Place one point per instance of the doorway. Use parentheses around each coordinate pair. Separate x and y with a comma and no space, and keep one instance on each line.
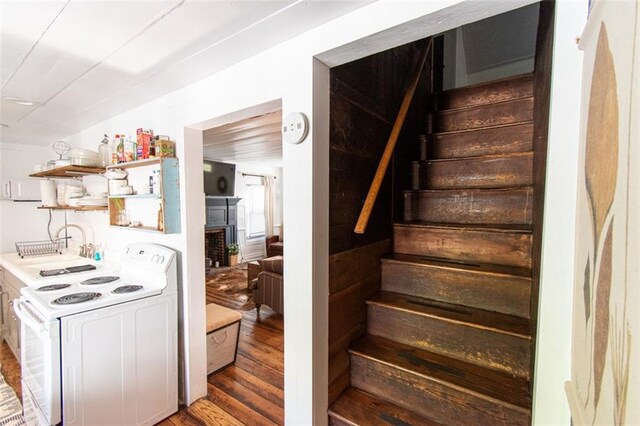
(242,200)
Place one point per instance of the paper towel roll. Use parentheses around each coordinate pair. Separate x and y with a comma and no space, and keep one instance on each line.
(48,193)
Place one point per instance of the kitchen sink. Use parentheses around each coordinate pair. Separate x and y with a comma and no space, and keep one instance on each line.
(47,259)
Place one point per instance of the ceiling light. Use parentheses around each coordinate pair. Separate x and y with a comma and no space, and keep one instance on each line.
(20,101)
(3,125)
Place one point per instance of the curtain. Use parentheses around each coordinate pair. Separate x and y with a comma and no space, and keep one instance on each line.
(267,182)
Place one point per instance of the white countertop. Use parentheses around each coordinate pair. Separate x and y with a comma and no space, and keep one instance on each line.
(28,269)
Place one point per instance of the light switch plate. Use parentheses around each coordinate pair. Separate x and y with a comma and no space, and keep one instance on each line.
(295,127)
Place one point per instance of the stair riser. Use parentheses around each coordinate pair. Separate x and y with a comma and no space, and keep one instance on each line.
(442,403)
(470,207)
(476,173)
(471,246)
(486,93)
(492,292)
(485,347)
(355,407)
(515,111)
(499,140)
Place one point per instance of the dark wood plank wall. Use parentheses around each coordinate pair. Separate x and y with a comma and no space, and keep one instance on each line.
(365,97)
(354,275)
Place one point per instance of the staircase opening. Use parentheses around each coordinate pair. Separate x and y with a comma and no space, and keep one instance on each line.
(432,308)
(498,47)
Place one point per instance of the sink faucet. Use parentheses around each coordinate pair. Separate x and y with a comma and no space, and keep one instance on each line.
(84,249)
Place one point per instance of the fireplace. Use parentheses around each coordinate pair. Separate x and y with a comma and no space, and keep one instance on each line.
(215,246)
(221,227)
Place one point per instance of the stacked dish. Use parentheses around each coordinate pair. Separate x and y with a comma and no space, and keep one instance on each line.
(99,200)
(115,174)
(68,192)
(84,157)
(118,185)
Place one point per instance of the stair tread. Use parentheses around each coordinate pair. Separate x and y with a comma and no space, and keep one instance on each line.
(473,317)
(500,112)
(467,190)
(357,407)
(453,264)
(487,92)
(466,376)
(498,82)
(510,228)
(496,126)
(475,106)
(479,157)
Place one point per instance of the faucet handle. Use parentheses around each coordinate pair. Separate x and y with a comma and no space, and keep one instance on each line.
(87,250)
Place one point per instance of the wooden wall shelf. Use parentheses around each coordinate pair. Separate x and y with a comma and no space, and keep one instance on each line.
(69,172)
(152,196)
(158,212)
(139,163)
(77,208)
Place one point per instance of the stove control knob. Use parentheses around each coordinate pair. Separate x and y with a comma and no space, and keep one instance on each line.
(154,258)
(160,259)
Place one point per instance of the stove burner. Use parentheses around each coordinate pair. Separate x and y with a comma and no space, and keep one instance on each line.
(53,287)
(99,280)
(126,289)
(73,298)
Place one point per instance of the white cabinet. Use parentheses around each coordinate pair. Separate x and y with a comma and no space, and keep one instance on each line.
(21,190)
(10,323)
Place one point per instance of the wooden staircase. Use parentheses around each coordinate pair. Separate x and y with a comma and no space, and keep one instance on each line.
(448,336)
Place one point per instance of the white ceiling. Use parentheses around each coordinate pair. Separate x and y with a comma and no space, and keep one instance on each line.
(84,61)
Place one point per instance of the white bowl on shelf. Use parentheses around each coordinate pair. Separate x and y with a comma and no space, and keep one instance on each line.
(116,174)
(122,190)
(114,184)
(92,201)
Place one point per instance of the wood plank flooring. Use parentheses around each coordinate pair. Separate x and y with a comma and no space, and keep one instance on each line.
(251,392)
(10,369)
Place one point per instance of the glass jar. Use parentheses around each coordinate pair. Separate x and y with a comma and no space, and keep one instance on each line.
(105,151)
(122,218)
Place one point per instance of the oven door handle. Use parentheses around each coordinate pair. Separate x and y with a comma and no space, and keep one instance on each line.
(27,317)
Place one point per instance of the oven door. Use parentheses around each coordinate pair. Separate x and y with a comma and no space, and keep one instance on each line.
(40,362)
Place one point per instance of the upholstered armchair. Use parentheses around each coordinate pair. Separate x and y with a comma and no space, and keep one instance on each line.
(268,288)
(275,246)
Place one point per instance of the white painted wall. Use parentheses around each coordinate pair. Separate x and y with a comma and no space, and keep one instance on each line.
(287,72)
(462,77)
(21,221)
(553,354)
(520,31)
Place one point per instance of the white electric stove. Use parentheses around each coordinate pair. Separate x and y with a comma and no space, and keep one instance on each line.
(100,347)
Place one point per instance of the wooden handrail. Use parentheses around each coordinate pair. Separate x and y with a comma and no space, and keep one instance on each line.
(365,213)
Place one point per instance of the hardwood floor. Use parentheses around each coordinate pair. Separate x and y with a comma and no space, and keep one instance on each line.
(10,369)
(251,392)
(247,393)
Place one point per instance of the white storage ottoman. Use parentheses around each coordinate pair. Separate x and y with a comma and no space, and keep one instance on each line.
(223,329)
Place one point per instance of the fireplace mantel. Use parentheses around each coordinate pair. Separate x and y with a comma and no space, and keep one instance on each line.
(221,211)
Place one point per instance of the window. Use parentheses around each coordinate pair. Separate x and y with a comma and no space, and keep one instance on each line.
(254,210)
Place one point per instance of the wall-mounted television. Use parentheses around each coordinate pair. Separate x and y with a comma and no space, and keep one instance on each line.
(219,179)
